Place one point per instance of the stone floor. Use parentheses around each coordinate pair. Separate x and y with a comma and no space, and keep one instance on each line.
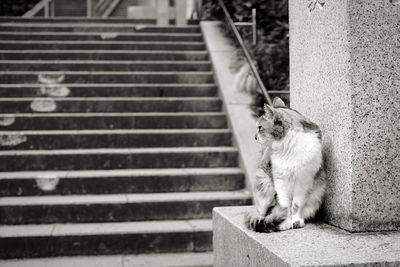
(148,260)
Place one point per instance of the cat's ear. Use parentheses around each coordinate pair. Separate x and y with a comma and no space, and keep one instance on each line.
(278,103)
(269,111)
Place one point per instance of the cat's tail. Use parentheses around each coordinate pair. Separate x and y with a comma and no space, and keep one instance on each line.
(268,223)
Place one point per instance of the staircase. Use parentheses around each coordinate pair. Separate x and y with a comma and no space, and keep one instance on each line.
(113,140)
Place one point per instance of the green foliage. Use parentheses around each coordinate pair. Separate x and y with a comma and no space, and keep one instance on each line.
(271,53)
(16,7)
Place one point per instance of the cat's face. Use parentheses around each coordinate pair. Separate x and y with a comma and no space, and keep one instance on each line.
(278,120)
(272,126)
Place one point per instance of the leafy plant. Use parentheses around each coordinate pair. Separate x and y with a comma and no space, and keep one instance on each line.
(271,52)
(16,7)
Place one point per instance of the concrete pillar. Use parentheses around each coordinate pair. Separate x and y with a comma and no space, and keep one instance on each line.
(345,76)
(180,12)
(162,12)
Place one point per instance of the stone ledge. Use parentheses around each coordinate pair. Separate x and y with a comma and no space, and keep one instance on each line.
(236,103)
(318,244)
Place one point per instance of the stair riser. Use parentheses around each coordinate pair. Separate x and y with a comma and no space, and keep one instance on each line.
(93,66)
(86,20)
(94,55)
(119,140)
(134,91)
(118,185)
(114,78)
(111,161)
(103,45)
(115,122)
(99,29)
(117,212)
(101,37)
(24,106)
(34,247)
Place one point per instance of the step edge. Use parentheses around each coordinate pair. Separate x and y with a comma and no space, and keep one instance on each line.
(123,199)
(118,131)
(107,62)
(157,73)
(53,24)
(71,174)
(85,33)
(112,98)
(114,228)
(105,151)
(99,51)
(98,42)
(106,85)
(113,114)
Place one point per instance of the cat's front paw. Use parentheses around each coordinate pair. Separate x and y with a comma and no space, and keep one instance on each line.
(255,222)
(298,224)
(289,224)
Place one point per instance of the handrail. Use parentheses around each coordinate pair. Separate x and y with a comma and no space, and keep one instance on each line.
(38,7)
(110,8)
(246,52)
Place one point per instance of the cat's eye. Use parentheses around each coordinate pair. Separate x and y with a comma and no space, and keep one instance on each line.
(259,128)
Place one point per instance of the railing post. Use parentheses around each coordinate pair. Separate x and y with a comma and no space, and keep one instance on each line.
(162,12)
(254,18)
(89,8)
(52,8)
(46,10)
(199,8)
(180,12)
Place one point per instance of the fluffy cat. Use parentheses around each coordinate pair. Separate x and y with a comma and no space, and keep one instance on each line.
(290,180)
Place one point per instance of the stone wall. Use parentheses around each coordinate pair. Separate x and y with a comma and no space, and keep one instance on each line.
(345,76)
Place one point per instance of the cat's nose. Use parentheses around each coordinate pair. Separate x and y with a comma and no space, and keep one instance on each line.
(255,137)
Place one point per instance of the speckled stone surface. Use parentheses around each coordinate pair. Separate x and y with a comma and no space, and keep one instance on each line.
(317,244)
(345,75)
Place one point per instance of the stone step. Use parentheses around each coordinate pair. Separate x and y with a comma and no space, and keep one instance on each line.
(73,182)
(118,158)
(202,259)
(22,241)
(94,27)
(122,90)
(116,207)
(183,259)
(77,121)
(108,77)
(99,45)
(101,36)
(85,20)
(66,139)
(103,65)
(109,104)
(144,55)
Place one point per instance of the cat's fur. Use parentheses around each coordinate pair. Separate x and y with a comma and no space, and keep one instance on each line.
(290,180)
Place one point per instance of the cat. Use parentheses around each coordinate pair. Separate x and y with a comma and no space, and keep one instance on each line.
(290,181)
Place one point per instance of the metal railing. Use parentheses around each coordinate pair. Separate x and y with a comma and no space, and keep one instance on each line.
(246,51)
(46,5)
